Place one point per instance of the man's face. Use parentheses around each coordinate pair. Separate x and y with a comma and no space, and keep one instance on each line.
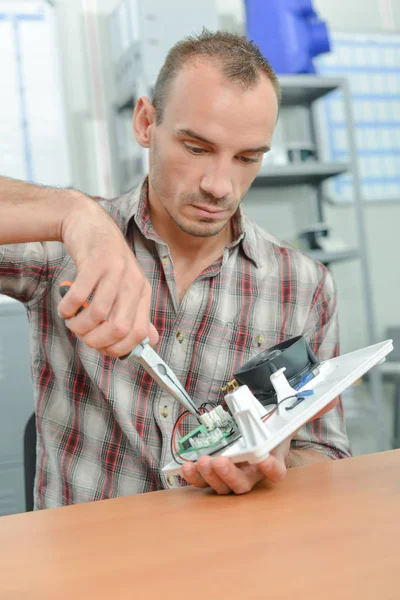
(208,148)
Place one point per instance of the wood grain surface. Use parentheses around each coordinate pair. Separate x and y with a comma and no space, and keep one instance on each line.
(329,531)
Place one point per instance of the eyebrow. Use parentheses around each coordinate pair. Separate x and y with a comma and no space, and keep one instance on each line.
(196,136)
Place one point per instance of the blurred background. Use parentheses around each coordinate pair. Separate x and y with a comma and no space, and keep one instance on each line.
(70,74)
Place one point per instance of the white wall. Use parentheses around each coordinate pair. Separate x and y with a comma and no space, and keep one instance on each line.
(359,15)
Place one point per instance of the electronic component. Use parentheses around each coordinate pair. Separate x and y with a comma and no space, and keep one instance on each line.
(189,441)
(250,431)
(295,355)
(216,427)
(216,418)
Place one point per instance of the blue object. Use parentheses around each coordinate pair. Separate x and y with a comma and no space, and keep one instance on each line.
(305,393)
(307,377)
(288,32)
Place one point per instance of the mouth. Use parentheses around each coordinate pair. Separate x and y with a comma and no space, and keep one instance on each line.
(210,213)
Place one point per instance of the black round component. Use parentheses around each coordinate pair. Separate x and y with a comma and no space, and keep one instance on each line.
(295,354)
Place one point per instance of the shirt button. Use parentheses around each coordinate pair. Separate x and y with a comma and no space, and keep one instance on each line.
(164,412)
(259,339)
(171,480)
(165,260)
(180,336)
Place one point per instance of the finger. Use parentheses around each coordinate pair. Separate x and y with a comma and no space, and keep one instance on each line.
(239,480)
(206,470)
(119,323)
(153,335)
(139,330)
(99,308)
(327,408)
(192,476)
(78,293)
(273,469)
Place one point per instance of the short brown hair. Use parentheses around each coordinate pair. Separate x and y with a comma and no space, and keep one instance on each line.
(239,59)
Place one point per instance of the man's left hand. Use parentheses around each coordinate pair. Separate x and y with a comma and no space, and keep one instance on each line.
(224,477)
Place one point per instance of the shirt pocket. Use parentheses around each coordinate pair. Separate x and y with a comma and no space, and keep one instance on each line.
(239,344)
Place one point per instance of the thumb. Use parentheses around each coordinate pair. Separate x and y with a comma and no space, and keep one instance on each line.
(153,335)
(273,468)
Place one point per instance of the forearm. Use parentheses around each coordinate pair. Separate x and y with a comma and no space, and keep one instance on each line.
(31,213)
(300,458)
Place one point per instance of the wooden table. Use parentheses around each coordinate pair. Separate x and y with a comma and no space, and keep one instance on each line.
(329,531)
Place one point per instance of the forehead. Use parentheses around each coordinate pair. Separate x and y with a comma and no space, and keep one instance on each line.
(203,99)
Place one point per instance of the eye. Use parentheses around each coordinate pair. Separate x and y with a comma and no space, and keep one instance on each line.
(196,150)
(246,160)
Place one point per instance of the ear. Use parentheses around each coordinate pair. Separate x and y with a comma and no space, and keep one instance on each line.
(144,118)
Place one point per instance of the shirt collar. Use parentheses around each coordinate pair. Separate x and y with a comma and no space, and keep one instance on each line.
(243,232)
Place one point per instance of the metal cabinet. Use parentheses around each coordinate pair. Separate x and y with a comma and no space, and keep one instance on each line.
(16,403)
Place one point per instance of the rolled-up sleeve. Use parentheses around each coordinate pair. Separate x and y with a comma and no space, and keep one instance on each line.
(326,434)
(26,269)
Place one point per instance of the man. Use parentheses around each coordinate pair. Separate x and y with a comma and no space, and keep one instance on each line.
(178,260)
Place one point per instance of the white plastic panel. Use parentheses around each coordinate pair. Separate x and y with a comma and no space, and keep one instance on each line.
(335,376)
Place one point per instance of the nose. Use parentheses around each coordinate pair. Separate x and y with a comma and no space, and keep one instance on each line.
(217,180)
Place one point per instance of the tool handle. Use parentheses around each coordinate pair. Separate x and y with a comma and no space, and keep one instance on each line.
(64,287)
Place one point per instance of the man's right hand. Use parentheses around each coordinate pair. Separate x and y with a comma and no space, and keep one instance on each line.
(118,316)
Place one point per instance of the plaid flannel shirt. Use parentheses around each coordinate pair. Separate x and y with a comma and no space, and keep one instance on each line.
(104,425)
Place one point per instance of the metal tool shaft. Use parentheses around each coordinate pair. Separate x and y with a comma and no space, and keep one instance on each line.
(163,374)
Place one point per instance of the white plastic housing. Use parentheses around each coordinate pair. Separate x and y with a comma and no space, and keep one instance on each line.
(259,438)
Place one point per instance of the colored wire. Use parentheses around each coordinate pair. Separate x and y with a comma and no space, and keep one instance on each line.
(174,451)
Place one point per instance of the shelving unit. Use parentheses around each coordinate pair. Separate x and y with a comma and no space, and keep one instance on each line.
(304,91)
(297,174)
(333,257)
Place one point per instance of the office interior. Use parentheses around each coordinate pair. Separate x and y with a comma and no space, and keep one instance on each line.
(330,185)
